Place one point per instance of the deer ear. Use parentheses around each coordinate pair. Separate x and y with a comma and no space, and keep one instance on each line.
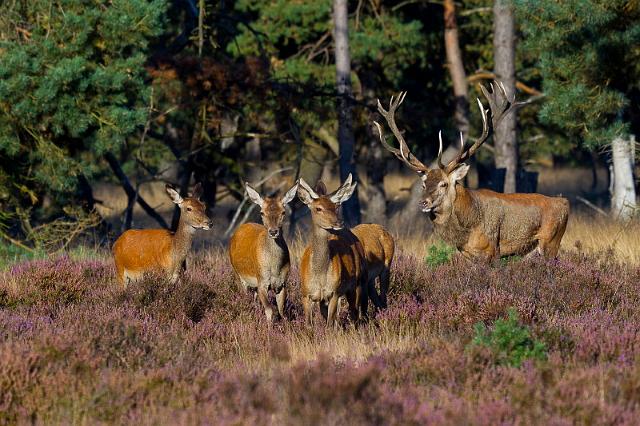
(460,172)
(345,192)
(173,194)
(197,191)
(253,194)
(321,188)
(290,194)
(305,193)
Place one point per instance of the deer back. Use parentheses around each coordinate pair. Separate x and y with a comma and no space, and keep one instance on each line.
(378,246)
(144,250)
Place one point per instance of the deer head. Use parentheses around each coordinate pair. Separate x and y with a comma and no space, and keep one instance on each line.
(325,209)
(272,209)
(439,183)
(192,210)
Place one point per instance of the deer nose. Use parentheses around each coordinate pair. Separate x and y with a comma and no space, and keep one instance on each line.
(273,232)
(425,205)
(210,223)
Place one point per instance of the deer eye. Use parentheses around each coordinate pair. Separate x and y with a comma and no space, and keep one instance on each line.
(318,209)
(189,209)
(443,184)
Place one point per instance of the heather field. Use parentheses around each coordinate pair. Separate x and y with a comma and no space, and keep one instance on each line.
(519,342)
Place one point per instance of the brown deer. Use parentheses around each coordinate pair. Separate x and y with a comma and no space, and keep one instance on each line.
(333,263)
(378,246)
(259,254)
(138,251)
(482,223)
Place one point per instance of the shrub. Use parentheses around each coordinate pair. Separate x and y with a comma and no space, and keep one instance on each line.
(439,254)
(58,281)
(189,298)
(509,342)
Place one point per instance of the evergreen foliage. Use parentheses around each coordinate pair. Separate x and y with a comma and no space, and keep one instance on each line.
(509,342)
(588,59)
(439,254)
(72,87)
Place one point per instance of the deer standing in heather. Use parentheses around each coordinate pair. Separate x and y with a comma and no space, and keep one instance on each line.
(138,251)
(480,223)
(259,254)
(378,246)
(333,263)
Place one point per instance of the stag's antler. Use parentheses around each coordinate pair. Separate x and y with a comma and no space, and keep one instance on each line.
(403,153)
(499,107)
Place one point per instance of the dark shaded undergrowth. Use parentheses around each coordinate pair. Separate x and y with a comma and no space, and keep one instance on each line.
(76,348)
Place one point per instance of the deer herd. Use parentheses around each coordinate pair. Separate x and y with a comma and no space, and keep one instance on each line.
(340,262)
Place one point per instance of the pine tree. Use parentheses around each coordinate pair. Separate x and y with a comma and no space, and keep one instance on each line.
(590,64)
(72,87)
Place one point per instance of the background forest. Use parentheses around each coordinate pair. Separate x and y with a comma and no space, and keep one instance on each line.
(100,101)
(103,102)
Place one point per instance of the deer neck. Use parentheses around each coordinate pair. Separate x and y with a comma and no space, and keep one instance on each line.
(182,240)
(465,209)
(320,254)
(464,215)
(276,247)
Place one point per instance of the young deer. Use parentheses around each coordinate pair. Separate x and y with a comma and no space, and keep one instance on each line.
(379,247)
(332,265)
(138,251)
(259,254)
(481,223)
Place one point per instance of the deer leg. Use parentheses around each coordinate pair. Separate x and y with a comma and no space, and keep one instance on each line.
(353,306)
(262,295)
(306,306)
(324,309)
(281,299)
(362,301)
(373,293)
(385,279)
(537,251)
(332,308)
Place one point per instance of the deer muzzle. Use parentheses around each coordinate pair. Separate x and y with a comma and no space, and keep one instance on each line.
(426,205)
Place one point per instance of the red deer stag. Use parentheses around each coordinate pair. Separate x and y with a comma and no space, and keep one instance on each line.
(138,251)
(481,223)
(259,253)
(332,265)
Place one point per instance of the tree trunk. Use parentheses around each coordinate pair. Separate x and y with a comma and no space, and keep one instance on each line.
(351,208)
(456,68)
(504,52)
(458,75)
(623,197)
(130,191)
(376,211)
(314,156)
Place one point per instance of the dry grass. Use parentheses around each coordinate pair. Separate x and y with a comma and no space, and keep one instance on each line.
(592,233)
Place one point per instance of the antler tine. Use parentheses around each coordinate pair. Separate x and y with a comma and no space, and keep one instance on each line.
(440,150)
(404,154)
(458,159)
(499,106)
